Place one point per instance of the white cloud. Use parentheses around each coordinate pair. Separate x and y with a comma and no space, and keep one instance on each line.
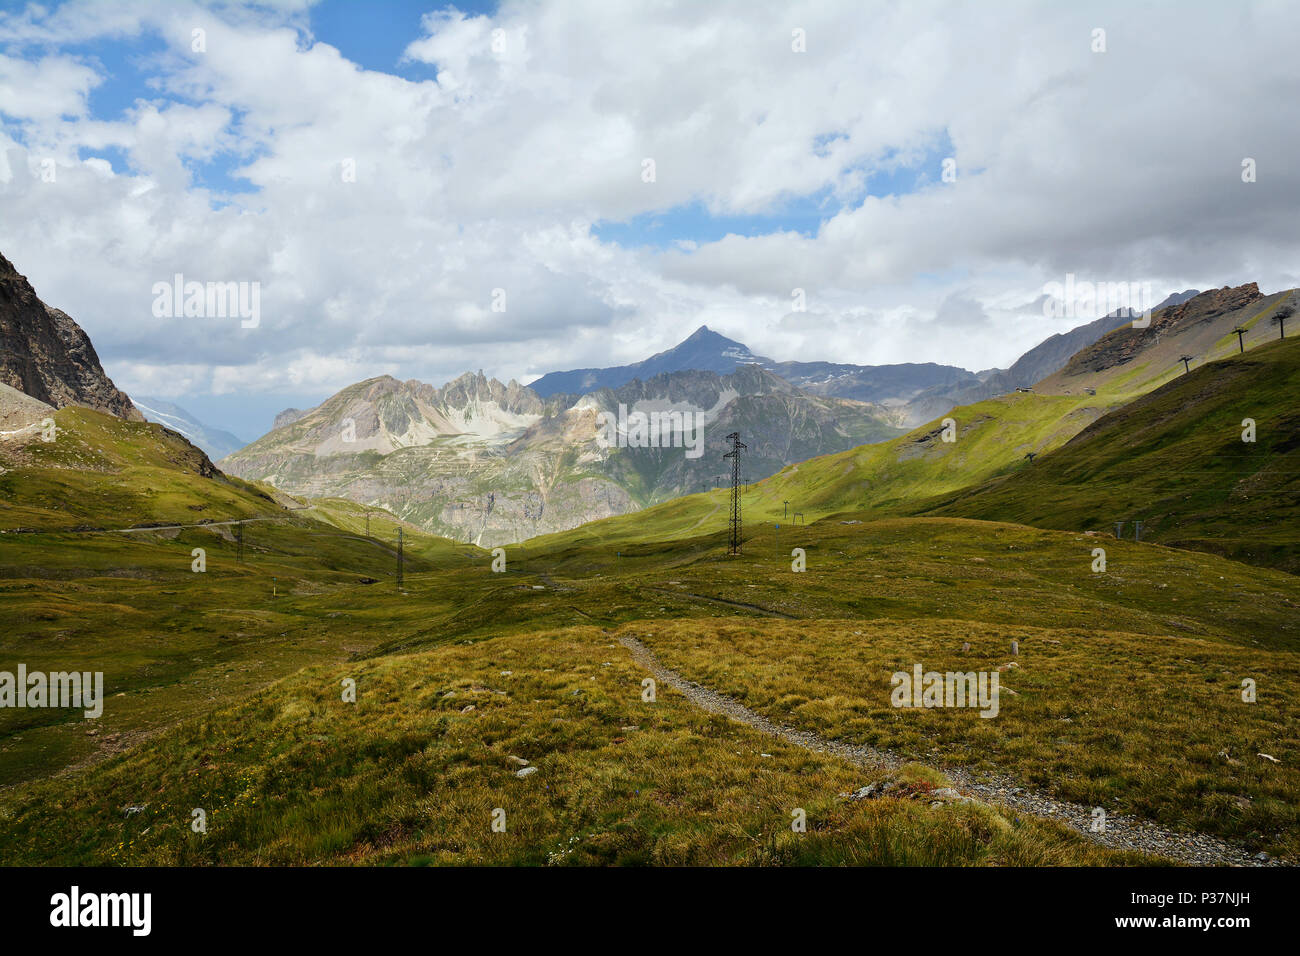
(1120,166)
(44,90)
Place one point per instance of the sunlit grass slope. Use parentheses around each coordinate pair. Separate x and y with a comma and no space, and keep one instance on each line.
(413,772)
(1148,672)
(1176,459)
(992,437)
(101,471)
(225,686)
(1151,443)
(1104,718)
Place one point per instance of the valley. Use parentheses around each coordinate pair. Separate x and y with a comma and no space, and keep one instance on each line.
(335,666)
(513,456)
(463,668)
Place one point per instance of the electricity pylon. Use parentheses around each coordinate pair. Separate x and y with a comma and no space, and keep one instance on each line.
(736,447)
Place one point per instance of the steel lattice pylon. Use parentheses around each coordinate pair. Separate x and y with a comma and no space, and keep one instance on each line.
(400,559)
(734,455)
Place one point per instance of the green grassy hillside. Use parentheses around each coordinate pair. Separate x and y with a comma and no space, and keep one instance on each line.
(289,773)
(78,592)
(991,439)
(101,471)
(416,769)
(1176,459)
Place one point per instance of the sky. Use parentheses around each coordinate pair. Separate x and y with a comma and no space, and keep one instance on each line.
(423,190)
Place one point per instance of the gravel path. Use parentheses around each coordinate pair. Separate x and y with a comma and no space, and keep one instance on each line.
(1122,832)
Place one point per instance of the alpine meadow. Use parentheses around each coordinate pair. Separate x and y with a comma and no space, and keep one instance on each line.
(664,439)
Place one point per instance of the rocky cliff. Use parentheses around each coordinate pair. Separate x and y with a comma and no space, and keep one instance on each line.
(46,355)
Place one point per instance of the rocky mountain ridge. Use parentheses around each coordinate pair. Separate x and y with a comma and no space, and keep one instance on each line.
(47,356)
(493,463)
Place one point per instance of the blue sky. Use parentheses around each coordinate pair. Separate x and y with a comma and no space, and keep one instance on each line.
(372,36)
(892,176)
(375,36)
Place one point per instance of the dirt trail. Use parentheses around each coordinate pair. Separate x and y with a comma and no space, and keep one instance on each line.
(723,601)
(1122,832)
(704,519)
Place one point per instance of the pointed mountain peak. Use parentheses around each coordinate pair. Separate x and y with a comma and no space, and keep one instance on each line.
(704,350)
(703,332)
(705,335)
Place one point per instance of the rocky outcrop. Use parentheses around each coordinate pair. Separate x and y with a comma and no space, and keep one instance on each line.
(19,411)
(1044,359)
(475,388)
(44,354)
(287,417)
(1126,343)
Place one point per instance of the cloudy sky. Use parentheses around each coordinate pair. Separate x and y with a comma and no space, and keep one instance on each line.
(379,169)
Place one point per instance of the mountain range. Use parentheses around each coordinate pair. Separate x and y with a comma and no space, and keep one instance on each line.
(493,463)
(917,391)
(1123,432)
(705,350)
(214,441)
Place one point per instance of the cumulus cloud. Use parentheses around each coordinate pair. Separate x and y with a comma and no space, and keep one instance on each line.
(380,213)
